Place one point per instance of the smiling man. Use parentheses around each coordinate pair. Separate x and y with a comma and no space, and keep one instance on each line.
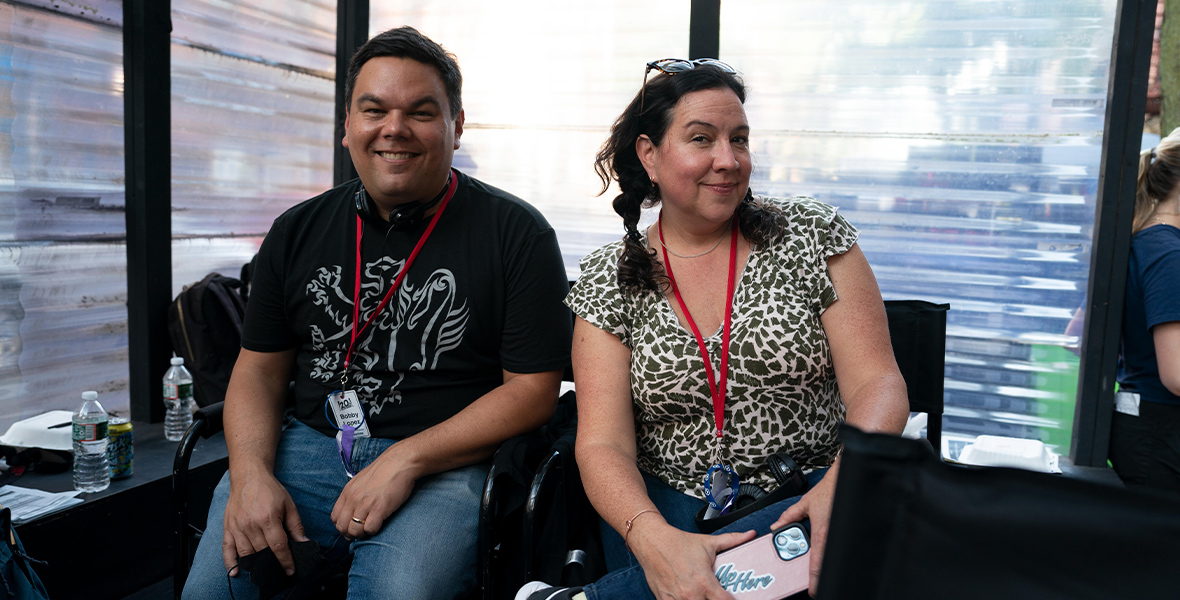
(418,313)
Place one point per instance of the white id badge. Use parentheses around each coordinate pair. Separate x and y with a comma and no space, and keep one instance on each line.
(347,410)
(1127,403)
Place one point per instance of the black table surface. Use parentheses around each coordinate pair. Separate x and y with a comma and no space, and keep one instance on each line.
(153,459)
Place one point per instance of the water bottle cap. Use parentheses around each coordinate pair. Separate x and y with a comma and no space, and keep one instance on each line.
(89,395)
(177,361)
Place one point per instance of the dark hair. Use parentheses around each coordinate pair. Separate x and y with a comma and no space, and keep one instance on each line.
(1159,173)
(638,269)
(407,42)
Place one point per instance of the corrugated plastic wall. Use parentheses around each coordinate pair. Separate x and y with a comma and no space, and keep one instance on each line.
(63,282)
(964,139)
(253,93)
(252,102)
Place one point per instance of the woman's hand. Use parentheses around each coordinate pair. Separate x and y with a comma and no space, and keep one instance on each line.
(678,564)
(816,505)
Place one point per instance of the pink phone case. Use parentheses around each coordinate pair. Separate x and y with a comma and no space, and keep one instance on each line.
(756,570)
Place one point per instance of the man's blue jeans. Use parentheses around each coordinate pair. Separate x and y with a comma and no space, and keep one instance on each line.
(427,548)
(626,578)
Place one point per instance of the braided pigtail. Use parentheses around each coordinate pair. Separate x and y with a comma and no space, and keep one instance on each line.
(638,268)
(760,222)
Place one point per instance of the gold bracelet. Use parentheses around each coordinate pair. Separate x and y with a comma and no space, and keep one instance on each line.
(631,521)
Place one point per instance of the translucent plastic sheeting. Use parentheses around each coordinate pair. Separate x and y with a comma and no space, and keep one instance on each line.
(253,99)
(64,327)
(297,34)
(103,12)
(221,255)
(63,275)
(61,137)
(542,83)
(963,138)
(248,140)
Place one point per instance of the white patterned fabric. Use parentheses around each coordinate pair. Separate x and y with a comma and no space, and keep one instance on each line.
(781,390)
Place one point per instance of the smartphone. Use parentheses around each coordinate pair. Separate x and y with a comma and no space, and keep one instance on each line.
(770,567)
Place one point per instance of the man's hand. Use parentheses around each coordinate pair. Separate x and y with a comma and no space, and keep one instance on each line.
(679,565)
(374,494)
(816,505)
(260,514)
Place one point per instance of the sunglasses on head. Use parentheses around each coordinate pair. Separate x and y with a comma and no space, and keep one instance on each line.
(672,66)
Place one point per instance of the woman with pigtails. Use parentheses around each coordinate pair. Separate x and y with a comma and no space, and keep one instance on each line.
(732,329)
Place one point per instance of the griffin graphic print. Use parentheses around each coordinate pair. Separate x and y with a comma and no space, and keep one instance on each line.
(424,320)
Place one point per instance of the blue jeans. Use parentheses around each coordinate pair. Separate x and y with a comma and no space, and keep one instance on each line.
(426,549)
(626,578)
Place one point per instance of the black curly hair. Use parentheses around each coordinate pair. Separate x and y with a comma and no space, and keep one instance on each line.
(618,160)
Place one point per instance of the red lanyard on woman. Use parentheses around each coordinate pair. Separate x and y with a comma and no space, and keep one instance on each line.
(452,184)
(716,387)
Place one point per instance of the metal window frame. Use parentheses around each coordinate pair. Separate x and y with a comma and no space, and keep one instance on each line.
(704,29)
(352,30)
(147,113)
(1126,100)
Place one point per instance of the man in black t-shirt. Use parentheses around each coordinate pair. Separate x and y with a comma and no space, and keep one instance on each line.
(419,313)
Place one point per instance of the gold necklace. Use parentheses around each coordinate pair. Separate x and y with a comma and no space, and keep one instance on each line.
(673,253)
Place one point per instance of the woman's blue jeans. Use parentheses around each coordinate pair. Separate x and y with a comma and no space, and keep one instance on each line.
(626,579)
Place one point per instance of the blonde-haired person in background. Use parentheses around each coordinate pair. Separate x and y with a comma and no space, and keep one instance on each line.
(1145,433)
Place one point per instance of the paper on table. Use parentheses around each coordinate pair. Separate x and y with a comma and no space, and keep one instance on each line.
(27,504)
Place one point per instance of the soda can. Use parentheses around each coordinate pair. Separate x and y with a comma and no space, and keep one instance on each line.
(120,449)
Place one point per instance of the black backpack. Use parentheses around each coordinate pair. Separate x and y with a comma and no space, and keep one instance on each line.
(205,324)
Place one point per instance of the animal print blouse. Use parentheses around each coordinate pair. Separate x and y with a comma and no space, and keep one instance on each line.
(781,394)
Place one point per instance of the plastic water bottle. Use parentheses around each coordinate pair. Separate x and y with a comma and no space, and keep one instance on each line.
(92,471)
(178,399)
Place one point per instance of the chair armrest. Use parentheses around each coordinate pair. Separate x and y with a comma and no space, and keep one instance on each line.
(206,422)
(211,415)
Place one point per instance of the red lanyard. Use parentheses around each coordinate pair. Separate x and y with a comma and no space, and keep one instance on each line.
(356,296)
(716,387)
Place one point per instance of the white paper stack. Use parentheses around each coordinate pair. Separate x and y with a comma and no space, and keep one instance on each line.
(27,504)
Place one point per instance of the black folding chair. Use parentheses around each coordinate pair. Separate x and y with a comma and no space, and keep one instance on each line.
(918,331)
(507,544)
(206,423)
(906,525)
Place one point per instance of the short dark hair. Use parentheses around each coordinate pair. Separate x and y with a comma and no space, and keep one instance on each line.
(407,42)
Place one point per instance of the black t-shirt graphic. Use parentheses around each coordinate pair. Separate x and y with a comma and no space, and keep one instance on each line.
(483,295)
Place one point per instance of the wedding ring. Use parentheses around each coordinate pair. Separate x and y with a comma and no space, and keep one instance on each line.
(358,521)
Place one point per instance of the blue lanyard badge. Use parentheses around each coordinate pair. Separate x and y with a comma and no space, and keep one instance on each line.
(349,418)
(721,486)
